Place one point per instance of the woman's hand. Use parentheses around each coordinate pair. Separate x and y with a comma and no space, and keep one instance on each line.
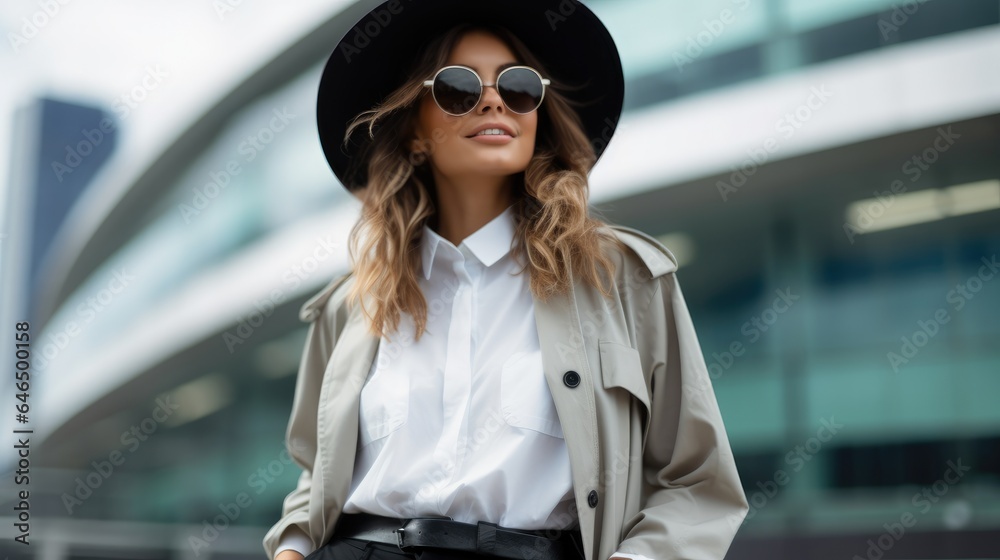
(289,555)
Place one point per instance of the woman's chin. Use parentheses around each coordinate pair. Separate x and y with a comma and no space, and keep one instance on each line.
(494,166)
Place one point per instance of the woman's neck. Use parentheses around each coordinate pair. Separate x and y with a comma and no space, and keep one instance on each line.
(462,215)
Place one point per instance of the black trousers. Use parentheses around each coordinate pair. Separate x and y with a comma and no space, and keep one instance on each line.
(348,548)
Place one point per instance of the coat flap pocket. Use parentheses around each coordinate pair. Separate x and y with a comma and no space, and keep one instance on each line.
(622,367)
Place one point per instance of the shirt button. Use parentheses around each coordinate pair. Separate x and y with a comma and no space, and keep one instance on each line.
(592,498)
(571,378)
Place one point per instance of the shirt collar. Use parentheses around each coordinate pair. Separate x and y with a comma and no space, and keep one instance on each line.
(488,244)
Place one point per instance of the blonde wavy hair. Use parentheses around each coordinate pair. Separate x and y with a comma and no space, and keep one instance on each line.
(554,231)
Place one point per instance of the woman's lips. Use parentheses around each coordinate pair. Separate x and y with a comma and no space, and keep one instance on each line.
(492,138)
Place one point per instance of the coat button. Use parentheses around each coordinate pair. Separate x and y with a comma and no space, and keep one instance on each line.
(571,378)
(592,498)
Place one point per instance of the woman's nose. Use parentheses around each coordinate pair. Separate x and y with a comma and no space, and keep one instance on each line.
(491,97)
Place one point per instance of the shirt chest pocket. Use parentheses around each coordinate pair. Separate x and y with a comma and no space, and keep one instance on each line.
(385,403)
(525,399)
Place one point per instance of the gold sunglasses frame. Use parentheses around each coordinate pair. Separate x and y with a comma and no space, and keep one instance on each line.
(482,87)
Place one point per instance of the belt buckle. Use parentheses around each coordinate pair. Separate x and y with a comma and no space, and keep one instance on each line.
(399,540)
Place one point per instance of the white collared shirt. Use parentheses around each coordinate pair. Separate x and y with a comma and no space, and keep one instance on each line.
(462,423)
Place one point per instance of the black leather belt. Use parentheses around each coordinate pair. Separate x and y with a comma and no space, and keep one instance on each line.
(442,532)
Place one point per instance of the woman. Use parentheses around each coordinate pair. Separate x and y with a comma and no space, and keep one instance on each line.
(501,375)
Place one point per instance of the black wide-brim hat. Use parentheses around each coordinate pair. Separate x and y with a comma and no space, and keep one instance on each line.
(373,57)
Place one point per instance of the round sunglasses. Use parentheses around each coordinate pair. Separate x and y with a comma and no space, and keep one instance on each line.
(458,89)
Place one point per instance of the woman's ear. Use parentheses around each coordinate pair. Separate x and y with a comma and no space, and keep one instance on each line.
(418,152)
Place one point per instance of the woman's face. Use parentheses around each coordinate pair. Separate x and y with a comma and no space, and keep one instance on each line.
(448,140)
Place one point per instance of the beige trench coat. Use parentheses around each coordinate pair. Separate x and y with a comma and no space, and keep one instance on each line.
(652,468)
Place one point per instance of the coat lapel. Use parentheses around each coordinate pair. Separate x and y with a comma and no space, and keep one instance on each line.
(338,420)
(560,337)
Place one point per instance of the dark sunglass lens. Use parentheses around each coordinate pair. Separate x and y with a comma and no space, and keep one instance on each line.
(457,90)
(521,90)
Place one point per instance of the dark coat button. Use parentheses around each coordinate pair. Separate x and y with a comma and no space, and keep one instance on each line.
(571,378)
(592,498)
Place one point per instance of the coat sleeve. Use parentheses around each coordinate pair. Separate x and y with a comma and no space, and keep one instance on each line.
(300,435)
(694,501)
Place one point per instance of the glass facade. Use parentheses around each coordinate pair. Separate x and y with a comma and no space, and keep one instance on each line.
(262,173)
(671,51)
